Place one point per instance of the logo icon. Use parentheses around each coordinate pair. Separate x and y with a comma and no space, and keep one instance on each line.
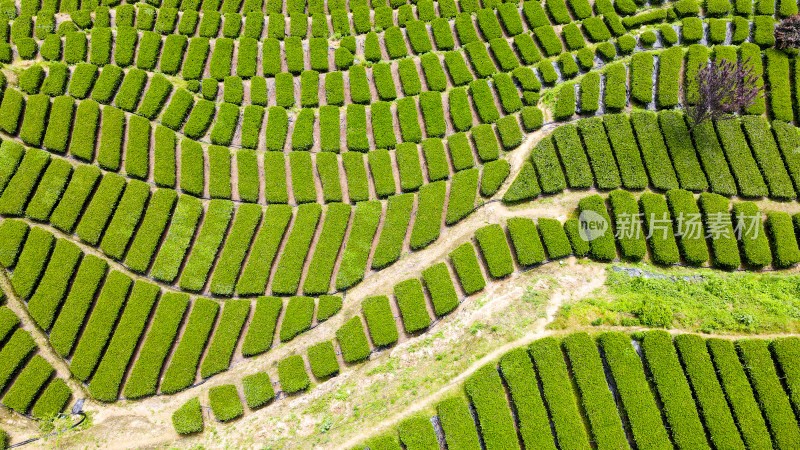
(591,225)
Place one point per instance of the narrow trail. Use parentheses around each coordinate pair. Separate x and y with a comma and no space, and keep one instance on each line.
(539,331)
(40,337)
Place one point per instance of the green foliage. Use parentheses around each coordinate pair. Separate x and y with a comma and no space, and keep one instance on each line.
(290,265)
(105,383)
(258,390)
(144,378)
(723,244)
(28,384)
(587,370)
(520,376)
(558,392)
(53,400)
(658,223)
(637,399)
(494,247)
(411,301)
(417,433)
(100,325)
(602,247)
(353,341)
(711,402)
(16,350)
(223,343)
(525,239)
(380,320)
(320,270)
(393,233)
(81,296)
(441,289)
(751,234)
(427,225)
(299,313)
(674,391)
(322,359)
(769,392)
(225,402)
(261,331)
(486,392)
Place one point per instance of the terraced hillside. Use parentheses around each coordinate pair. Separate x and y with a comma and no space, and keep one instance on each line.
(328,224)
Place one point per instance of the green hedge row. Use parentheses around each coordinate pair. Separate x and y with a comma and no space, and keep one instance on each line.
(182,369)
(380,320)
(411,302)
(690,231)
(602,247)
(261,330)
(322,359)
(393,233)
(353,265)
(654,150)
(81,296)
(125,219)
(751,235)
(427,225)
(105,384)
(51,291)
(223,342)
(99,326)
(463,191)
(353,341)
(634,391)
(768,158)
(318,280)
(417,432)
(16,350)
(740,157)
(144,377)
(682,152)
(520,376)
(739,393)
(724,248)
(30,381)
(457,423)
(570,149)
(258,390)
(711,401)
(188,419)
(770,394)
(598,402)
(225,402)
(440,287)
(676,396)
(53,400)
(206,246)
(659,229)
(236,247)
(623,143)
(528,247)
(290,264)
(785,250)
(558,393)
(255,275)
(50,190)
(487,395)
(298,317)
(21,185)
(495,249)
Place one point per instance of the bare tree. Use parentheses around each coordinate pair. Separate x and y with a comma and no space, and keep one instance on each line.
(724,88)
(787,33)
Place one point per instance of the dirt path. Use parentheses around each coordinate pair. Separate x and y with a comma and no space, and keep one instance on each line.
(40,337)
